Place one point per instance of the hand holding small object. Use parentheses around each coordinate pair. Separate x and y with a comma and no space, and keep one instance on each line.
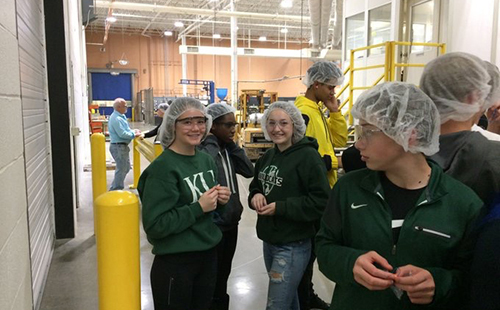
(367,274)
(417,282)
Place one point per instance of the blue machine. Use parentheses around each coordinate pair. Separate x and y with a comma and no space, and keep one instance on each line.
(222,93)
(209,86)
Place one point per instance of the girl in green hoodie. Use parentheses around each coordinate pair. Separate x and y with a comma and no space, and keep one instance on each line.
(289,192)
(178,192)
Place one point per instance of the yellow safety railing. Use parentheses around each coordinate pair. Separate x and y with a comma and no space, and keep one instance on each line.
(389,67)
(149,150)
(118,254)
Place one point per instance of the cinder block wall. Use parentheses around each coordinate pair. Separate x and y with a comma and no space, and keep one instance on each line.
(15,275)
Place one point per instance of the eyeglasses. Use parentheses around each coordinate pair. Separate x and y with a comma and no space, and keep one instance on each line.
(280,124)
(228,125)
(365,132)
(200,121)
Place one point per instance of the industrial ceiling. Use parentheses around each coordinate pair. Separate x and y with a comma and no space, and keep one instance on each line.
(203,18)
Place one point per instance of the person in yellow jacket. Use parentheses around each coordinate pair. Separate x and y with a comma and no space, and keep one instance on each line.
(319,99)
(321,80)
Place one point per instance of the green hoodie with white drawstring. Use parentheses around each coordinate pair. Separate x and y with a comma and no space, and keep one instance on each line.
(296,181)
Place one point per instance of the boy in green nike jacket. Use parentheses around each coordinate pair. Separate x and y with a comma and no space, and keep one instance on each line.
(289,192)
(178,192)
(395,235)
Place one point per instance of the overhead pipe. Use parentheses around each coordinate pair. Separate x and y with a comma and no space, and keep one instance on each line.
(107,24)
(234,57)
(337,26)
(285,77)
(184,68)
(248,40)
(320,11)
(326,12)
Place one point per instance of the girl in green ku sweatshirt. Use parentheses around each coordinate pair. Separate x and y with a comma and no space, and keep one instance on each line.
(289,192)
(178,192)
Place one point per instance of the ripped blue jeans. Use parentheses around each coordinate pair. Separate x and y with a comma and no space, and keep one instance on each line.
(285,265)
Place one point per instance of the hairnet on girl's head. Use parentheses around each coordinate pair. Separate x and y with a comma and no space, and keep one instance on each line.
(217,110)
(401,111)
(163,106)
(458,85)
(176,109)
(299,126)
(494,94)
(324,72)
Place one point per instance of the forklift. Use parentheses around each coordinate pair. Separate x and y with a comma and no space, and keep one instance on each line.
(252,104)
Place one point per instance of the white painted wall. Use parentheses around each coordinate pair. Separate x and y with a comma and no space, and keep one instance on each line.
(471,26)
(15,274)
(77,89)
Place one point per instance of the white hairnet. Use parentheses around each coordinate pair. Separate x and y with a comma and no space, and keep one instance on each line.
(299,126)
(217,110)
(179,106)
(401,110)
(163,106)
(458,85)
(494,94)
(324,71)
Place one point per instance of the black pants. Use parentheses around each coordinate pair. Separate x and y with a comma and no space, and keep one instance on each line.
(225,254)
(305,289)
(184,281)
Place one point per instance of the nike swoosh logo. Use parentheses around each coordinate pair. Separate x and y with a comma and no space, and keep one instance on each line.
(353,206)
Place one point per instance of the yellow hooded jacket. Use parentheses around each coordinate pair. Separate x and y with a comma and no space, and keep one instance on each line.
(330,132)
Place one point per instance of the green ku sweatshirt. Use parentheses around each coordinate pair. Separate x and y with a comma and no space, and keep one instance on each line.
(296,181)
(171,215)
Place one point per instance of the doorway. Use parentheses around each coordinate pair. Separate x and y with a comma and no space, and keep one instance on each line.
(420,23)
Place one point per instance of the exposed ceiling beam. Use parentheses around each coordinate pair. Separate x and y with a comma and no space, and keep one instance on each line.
(198,24)
(195,11)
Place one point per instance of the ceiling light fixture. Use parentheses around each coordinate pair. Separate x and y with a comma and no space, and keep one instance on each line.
(168,33)
(123,60)
(216,36)
(111,19)
(262,38)
(179,24)
(284,30)
(286,4)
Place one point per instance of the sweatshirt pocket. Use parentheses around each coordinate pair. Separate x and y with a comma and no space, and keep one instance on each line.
(432,232)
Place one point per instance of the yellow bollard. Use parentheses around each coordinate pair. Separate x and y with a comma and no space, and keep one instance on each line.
(118,257)
(98,154)
(137,165)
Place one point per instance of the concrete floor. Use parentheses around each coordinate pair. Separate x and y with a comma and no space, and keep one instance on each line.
(72,279)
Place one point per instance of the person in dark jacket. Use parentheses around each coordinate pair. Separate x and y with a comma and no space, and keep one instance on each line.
(396,235)
(230,160)
(289,192)
(351,159)
(162,108)
(485,269)
(458,84)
